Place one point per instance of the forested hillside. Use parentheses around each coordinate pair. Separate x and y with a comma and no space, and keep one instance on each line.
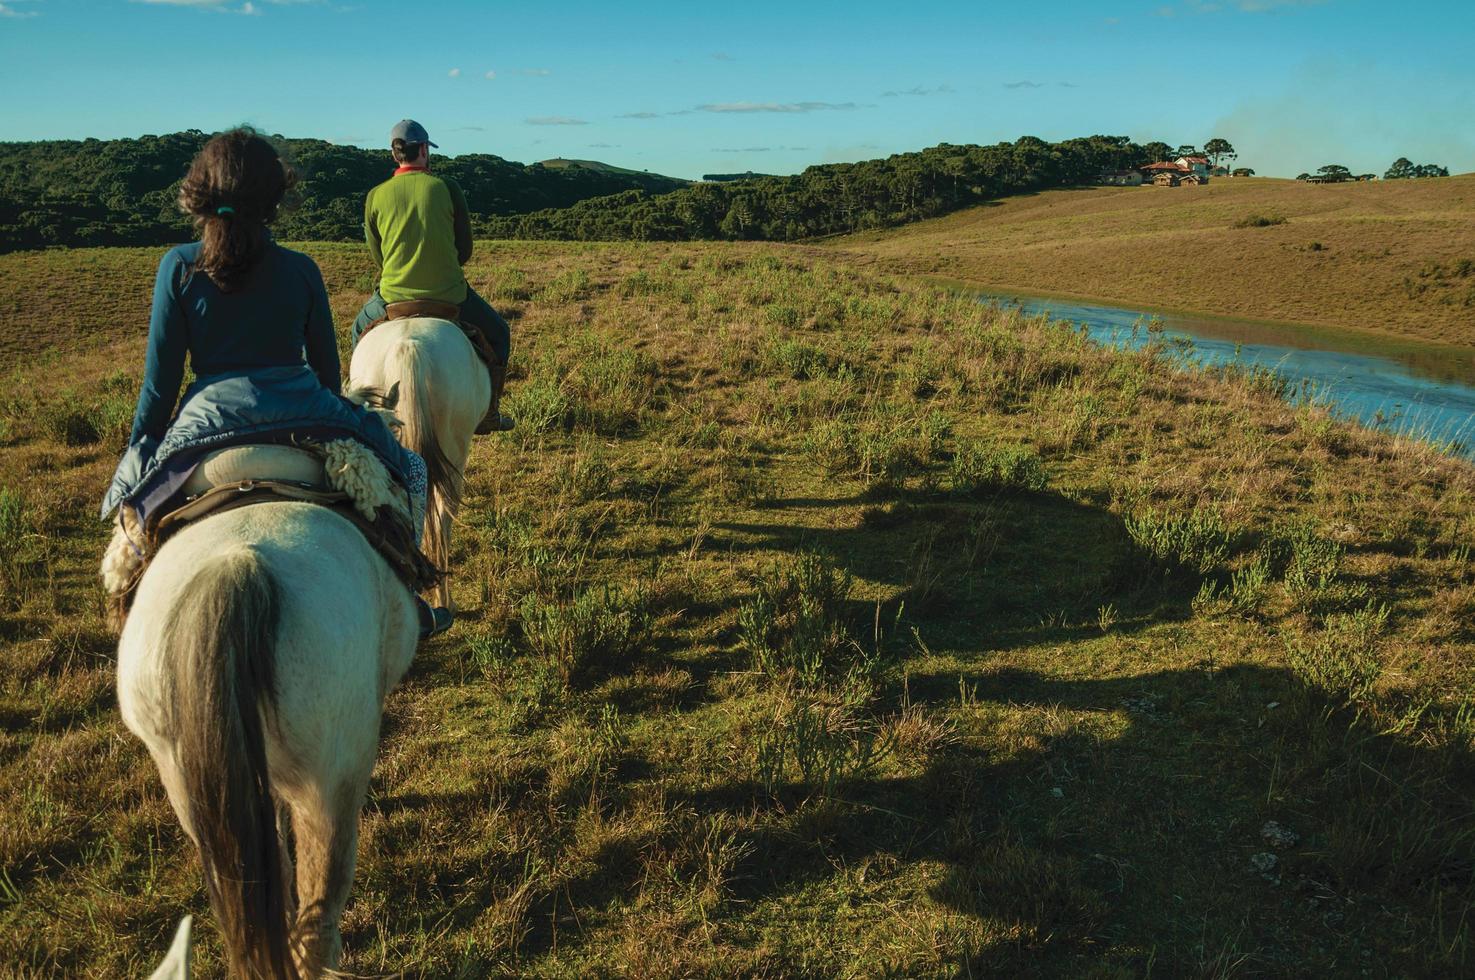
(833,198)
(121,192)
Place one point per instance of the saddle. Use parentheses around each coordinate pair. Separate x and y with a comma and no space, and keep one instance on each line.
(240,476)
(440,311)
(494,421)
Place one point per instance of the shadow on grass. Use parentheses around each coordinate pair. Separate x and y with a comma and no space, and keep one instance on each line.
(1063,847)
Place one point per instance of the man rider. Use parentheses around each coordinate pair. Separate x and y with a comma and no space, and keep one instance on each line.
(419,233)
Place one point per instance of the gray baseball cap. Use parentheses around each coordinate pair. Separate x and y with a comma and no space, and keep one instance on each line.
(410,131)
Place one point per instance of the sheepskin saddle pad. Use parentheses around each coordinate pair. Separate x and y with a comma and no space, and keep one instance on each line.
(342,474)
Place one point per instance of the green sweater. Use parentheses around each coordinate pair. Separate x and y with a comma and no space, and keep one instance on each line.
(419,233)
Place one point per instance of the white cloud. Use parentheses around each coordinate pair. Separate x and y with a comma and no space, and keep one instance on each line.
(491,74)
(775,106)
(554,121)
(532,71)
(640,115)
(454,73)
(943,89)
(1024,84)
(6,10)
(216,6)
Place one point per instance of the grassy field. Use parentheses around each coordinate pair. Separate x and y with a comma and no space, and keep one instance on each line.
(1396,257)
(814,624)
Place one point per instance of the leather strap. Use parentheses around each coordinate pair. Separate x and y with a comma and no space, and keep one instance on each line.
(440,311)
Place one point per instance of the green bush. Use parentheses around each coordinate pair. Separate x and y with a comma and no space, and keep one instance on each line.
(824,742)
(977,469)
(1342,660)
(595,626)
(610,384)
(1198,541)
(793,624)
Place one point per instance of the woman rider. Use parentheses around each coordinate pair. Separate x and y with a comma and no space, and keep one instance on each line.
(244,309)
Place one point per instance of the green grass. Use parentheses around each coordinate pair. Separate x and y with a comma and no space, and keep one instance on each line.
(813,623)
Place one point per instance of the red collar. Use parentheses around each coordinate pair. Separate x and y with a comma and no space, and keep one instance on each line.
(410,169)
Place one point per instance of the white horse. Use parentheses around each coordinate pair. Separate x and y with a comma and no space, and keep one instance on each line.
(254,666)
(444,391)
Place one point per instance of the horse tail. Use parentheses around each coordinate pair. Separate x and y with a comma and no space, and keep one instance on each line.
(443,477)
(223,639)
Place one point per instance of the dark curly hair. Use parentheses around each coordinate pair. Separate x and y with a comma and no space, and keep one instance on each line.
(233,189)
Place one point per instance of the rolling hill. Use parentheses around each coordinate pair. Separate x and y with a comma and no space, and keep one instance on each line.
(1396,257)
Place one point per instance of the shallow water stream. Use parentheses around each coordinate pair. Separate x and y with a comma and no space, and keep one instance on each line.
(1422,390)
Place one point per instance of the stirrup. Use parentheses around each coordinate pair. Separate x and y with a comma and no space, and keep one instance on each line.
(434,620)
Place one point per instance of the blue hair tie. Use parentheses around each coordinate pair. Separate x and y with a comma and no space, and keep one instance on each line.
(225,211)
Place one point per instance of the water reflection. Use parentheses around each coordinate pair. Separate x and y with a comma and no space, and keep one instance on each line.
(1428,392)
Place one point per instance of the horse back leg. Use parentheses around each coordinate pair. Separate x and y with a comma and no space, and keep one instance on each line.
(325,831)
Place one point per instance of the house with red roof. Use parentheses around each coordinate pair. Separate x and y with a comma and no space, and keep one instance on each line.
(1199,165)
(1171,173)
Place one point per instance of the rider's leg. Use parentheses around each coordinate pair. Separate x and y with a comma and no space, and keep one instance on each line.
(373,310)
(478,313)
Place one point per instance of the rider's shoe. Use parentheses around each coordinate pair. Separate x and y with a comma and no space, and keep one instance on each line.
(433,619)
(495,421)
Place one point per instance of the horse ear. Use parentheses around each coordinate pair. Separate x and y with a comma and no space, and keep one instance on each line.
(391,397)
(176,965)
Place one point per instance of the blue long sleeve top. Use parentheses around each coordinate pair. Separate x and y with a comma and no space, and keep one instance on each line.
(276,317)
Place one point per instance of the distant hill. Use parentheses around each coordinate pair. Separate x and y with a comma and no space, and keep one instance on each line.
(121,192)
(728,178)
(1394,256)
(656,182)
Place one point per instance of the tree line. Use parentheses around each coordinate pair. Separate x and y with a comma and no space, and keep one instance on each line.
(830,198)
(1402,169)
(122,192)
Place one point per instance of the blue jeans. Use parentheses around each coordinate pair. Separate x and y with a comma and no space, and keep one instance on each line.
(474,310)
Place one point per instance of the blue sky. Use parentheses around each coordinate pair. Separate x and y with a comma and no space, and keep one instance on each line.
(696,87)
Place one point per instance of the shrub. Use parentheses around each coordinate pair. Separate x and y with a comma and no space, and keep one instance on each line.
(19,539)
(597,625)
(566,287)
(1011,469)
(1312,566)
(827,744)
(798,360)
(611,384)
(489,655)
(1198,541)
(1342,660)
(73,427)
(1260,221)
(793,624)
